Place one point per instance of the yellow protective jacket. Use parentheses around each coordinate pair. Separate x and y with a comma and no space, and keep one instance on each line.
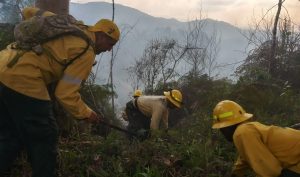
(266,149)
(154,107)
(32,73)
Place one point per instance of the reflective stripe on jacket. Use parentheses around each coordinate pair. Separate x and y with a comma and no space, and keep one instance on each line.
(156,108)
(266,149)
(32,73)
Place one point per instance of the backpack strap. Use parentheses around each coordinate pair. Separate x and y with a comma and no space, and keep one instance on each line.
(40,12)
(136,105)
(16,58)
(74,30)
(79,34)
(79,55)
(49,54)
(89,43)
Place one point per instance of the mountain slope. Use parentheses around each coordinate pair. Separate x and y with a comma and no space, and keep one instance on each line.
(146,27)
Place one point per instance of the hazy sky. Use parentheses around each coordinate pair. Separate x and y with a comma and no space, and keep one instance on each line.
(236,12)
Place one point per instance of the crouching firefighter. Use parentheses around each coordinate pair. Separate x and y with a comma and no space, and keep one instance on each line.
(145,113)
(26,117)
(136,94)
(270,151)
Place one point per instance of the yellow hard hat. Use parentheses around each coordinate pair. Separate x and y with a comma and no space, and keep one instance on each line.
(227,113)
(137,93)
(175,97)
(108,27)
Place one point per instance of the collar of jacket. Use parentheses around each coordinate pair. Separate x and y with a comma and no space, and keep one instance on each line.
(91,35)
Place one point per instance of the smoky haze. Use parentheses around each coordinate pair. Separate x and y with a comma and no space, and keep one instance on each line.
(144,29)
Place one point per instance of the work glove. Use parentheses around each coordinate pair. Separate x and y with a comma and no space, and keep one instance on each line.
(143,134)
(95,118)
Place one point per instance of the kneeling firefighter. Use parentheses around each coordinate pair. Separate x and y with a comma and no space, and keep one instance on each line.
(146,112)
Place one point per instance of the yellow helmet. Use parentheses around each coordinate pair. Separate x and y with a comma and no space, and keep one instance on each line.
(227,113)
(137,93)
(108,27)
(175,97)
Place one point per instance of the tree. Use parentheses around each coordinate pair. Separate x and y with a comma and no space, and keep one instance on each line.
(202,49)
(55,6)
(274,39)
(256,67)
(162,57)
(275,42)
(112,59)
(158,63)
(135,75)
(10,11)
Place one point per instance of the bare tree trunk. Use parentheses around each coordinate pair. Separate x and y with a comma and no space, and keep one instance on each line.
(112,81)
(55,6)
(113,10)
(111,65)
(64,120)
(272,66)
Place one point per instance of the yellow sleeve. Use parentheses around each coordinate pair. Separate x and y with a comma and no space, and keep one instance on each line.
(251,149)
(165,119)
(67,90)
(159,111)
(155,120)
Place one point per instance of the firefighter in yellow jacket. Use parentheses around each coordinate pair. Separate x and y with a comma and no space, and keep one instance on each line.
(270,151)
(147,112)
(26,118)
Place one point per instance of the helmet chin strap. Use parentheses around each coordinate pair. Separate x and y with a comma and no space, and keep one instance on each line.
(228,132)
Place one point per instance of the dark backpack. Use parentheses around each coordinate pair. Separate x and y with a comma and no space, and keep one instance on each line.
(32,33)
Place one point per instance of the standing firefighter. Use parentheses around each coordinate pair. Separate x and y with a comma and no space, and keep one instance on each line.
(146,112)
(26,117)
(270,151)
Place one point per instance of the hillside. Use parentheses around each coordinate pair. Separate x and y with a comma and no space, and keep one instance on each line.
(145,28)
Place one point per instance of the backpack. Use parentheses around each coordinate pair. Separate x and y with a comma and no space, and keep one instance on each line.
(32,33)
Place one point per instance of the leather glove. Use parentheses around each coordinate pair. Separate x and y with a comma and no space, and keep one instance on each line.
(95,118)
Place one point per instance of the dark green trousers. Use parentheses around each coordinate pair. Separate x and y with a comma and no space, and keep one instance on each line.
(288,173)
(27,123)
(137,121)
